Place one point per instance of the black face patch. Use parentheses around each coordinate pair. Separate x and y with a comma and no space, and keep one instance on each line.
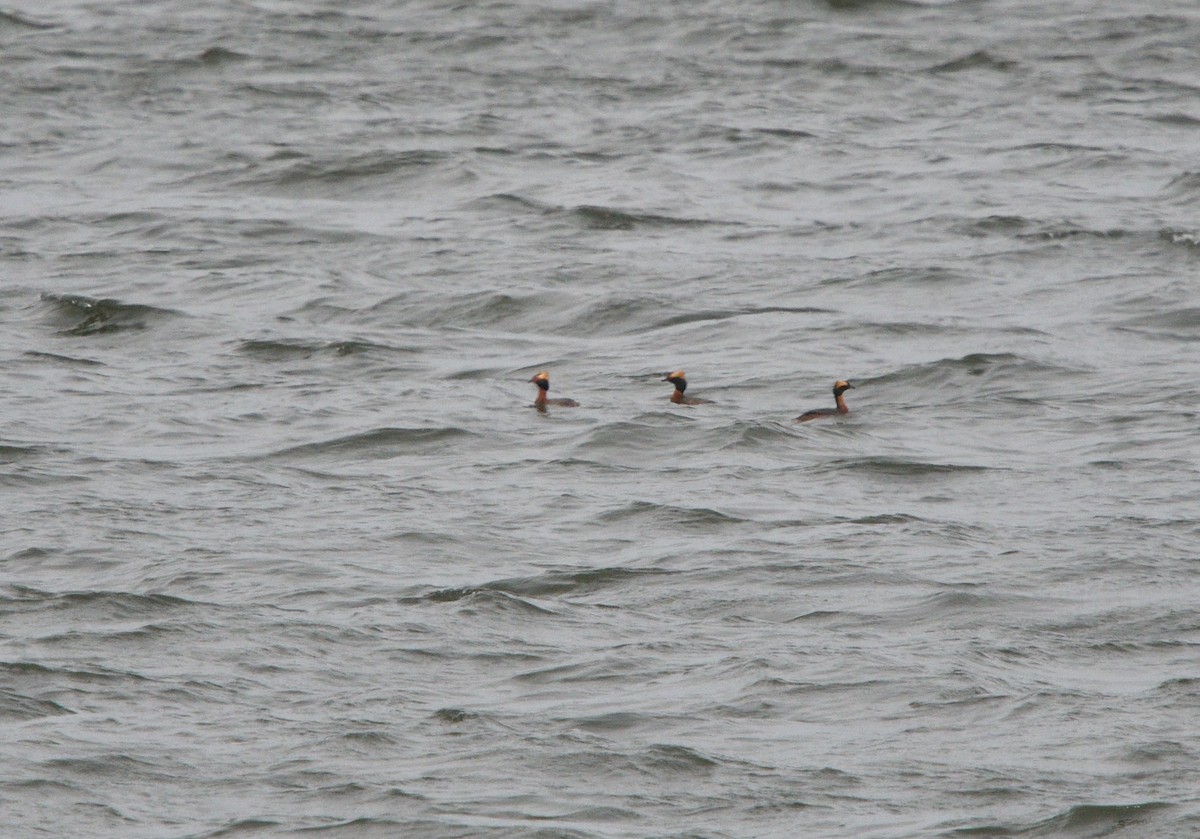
(680,384)
(542,383)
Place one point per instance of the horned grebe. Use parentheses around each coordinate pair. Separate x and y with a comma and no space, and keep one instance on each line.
(542,380)
(680,381)
(839,387)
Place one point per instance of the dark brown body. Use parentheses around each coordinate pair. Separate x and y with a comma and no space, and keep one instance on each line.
(839,402)
(541,402)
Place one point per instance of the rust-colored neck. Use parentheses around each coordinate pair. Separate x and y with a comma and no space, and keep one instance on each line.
(540,401)
(841,404)
(677,396)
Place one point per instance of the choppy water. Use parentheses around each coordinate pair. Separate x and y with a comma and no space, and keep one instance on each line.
(286,551)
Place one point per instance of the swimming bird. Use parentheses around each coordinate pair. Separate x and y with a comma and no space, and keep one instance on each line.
(839,387)
(542,380)
(680,381)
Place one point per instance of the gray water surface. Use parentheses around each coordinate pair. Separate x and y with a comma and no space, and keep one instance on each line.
(286,551)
